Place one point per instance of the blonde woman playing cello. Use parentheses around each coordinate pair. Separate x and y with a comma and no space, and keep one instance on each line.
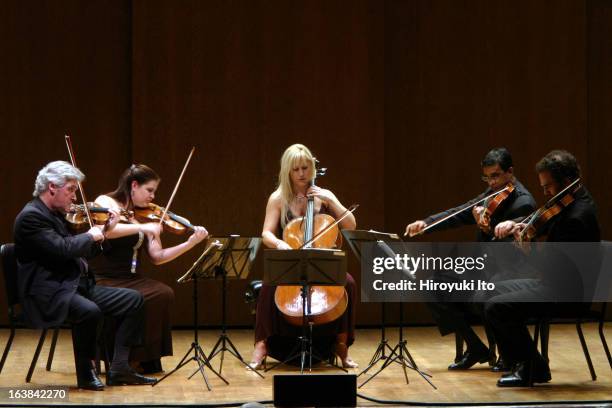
(272,333)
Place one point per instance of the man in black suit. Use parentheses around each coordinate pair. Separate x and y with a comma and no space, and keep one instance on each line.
(508,311)
(55,284)
(452,317)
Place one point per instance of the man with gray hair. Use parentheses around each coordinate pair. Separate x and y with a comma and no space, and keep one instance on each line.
(56,285)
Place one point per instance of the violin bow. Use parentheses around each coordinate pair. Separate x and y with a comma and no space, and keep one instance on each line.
(467,207)
(73,161)
(348,211)
(167,207)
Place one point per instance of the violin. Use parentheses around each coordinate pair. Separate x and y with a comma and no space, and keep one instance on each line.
(538,219)
(484,221)
(172,223)
(327,303)
(78,220)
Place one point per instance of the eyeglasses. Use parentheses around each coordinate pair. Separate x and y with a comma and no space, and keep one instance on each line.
(492,177)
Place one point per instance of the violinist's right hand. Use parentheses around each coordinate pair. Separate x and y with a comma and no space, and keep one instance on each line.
(415,228)
(505,229)
(282,245)
(96,233)
(151,229)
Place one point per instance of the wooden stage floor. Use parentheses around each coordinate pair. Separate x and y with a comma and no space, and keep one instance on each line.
(432,353)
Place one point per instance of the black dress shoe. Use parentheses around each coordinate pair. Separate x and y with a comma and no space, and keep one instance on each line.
(500,366)
(469,359)
(128,377)
(520,375)
(89,380)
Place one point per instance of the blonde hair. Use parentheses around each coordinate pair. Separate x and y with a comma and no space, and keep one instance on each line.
(292,156)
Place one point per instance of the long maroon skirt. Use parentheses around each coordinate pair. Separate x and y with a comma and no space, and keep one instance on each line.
(270,325)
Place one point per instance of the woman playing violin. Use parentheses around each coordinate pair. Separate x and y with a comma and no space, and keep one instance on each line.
(287,202)
(119,266)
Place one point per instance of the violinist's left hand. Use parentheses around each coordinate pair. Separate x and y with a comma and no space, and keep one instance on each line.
(517,230)
(199,235)
(325,195)
(477,212)
(113,219)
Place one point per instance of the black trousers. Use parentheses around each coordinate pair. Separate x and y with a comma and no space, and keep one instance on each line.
(507,311)
(87,311)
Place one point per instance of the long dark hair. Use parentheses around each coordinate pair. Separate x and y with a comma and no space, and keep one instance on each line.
(140,173)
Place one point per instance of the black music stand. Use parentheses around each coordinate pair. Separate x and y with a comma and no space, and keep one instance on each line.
(398,354)
(198,354)
(305,268)
(233,260)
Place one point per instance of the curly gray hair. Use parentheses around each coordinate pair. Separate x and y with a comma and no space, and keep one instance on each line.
(57,172)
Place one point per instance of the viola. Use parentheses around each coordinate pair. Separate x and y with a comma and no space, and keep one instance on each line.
(536,221)
(327,303)
(78,220)
(484,221)
(172,223)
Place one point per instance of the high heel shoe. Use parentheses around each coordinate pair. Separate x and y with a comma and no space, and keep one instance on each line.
(255,365)
(341,350)
(258,360)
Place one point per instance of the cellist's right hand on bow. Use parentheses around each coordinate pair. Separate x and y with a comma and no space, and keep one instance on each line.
(505,229)
(282,245)
(415,228)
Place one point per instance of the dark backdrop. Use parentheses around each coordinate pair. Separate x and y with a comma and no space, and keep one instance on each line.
(399,99)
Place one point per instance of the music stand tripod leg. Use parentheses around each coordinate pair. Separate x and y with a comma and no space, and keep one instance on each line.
(393,356)
(379,353)
(202,361)
(221,346)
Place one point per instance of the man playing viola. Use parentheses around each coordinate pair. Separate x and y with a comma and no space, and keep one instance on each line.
(498,173)
(508,311)
(56,285)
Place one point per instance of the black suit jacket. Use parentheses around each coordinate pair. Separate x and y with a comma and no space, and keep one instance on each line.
(577,222)
(50,264)
(518,205)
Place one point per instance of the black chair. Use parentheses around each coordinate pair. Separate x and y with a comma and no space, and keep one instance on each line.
(9,268)
(595,313)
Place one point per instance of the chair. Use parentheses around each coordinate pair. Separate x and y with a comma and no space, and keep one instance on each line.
(581,313)
(9,268)
(596,313)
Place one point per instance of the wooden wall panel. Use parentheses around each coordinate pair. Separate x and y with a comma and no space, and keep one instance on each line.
(599,142)
(464,77)
(65,67)
(242,81)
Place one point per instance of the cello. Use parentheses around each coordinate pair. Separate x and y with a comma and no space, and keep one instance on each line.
(326,303)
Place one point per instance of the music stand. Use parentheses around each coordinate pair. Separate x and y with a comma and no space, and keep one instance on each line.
(305,268)
(233,260)
(398,354)
(198,354)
